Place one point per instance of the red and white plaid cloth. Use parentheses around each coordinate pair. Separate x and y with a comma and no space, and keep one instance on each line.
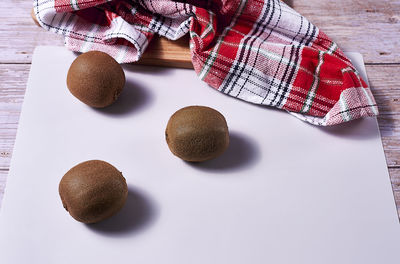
(261,51)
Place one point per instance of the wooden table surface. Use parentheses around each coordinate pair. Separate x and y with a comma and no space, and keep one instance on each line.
(370,27)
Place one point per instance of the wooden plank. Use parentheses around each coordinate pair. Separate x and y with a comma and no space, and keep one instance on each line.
(366,26)
(370,27)
(342,24)
(13,80)
(395,178)
(167,53)
(19,34)
(384,81)
(161,51)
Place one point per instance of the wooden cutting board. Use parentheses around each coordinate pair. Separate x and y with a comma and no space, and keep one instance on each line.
(162,51)
(165,52)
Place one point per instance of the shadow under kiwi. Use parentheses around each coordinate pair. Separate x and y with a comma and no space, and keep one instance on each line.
(242,152)
(138,214)
(134,97)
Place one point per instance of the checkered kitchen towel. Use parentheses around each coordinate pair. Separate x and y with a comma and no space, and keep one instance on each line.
(260,51)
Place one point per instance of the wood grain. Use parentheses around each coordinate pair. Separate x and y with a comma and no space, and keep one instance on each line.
(370,27)
(19,35)
(384,82)
(167,53)
(12,89)
(395,178)
(161,51)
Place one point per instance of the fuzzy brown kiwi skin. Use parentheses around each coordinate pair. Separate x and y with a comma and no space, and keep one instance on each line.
(93,191)
(197,133)
(96,79)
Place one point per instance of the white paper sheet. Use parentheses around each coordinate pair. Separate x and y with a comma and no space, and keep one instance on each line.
(284,192)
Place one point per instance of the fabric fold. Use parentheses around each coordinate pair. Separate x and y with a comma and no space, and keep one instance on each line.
(260,51)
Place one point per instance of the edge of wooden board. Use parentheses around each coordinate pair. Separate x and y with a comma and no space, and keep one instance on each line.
(161,51)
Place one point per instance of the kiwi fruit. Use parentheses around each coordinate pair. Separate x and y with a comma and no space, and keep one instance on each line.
(93,191)
(96,79)
(197,133)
